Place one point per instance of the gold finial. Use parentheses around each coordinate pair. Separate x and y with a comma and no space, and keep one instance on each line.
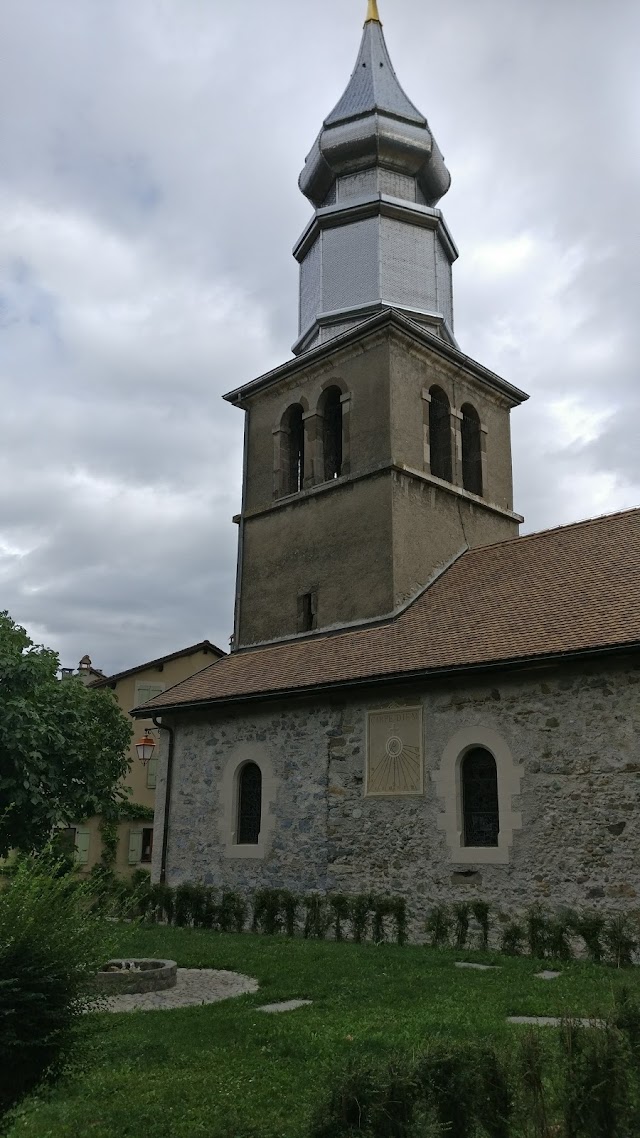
(373,13)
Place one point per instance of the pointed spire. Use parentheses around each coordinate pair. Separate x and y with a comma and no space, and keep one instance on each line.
(373,14)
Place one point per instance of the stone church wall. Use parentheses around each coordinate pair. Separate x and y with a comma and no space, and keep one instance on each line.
(568,749)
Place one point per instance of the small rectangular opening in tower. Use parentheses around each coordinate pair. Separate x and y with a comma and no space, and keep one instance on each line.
(308,611)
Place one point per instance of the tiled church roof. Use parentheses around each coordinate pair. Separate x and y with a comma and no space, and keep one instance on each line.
(563,591)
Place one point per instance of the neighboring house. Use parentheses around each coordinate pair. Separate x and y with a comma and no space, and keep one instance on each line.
(419,701)
(134,687)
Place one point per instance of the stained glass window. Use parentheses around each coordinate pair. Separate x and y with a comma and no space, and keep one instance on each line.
(249,805)
(480,798)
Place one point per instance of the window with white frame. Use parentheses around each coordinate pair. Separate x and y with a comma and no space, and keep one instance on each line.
(478,783)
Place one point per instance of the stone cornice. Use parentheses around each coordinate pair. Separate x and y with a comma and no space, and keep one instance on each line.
(381,468)
(388,318)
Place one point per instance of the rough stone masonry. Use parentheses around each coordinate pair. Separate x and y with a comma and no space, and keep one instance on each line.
(569,730)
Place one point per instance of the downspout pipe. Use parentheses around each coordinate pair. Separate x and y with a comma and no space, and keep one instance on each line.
(167,797)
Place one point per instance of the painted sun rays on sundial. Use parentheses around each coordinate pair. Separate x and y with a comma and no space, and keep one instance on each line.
(397,769)
(394,758)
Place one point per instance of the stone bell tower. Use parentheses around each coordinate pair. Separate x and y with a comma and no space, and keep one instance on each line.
(381,451)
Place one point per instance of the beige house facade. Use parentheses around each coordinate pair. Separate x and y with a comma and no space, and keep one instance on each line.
(133,836)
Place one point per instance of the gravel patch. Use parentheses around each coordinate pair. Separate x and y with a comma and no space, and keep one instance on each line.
(195,986)
(547,975)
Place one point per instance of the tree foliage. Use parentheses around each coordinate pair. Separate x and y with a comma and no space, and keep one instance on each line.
(63,747)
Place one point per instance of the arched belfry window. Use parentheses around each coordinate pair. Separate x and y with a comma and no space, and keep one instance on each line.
(481,818)
(471,450)
(440,434)
(249,805)
(331,412)
(292,456)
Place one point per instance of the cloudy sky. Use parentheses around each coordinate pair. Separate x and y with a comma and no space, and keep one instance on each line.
(148,206)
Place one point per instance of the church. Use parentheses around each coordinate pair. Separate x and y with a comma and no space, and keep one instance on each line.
(419,701)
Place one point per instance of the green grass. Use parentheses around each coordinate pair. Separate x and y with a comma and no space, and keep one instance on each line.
(226,1071)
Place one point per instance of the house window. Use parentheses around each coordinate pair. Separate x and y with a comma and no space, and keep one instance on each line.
(471,450)
(440,434)
(308,611)
(147,845)
(292,455)
(249,805)
(479,778)
(331,412)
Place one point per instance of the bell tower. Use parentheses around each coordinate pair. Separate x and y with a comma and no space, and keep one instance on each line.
(380,452)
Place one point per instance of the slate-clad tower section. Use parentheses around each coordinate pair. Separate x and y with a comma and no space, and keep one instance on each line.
(375,176)
(380,452)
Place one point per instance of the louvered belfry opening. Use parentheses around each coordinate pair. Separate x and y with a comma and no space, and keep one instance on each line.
(471,450)
(440,434)
(249,805)
(293,445)
(479,777)
(332,433)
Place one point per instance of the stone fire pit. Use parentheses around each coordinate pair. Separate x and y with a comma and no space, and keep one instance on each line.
(124,977)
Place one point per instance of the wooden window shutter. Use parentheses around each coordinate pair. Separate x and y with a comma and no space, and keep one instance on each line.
(82,846)
(145,692)
(135,846)
(152,769)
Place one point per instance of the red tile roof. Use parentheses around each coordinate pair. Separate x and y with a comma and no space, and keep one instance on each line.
(564,591)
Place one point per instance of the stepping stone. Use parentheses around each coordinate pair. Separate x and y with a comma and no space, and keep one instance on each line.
(478,967)
(551,1021)
(546,975)
(285,1006)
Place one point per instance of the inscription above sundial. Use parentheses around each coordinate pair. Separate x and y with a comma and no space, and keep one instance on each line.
(394,752)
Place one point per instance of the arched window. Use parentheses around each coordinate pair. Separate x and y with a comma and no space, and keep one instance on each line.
(249,805)
(471,450)
(479,777)
(292,457)
(440,434)
(331,412)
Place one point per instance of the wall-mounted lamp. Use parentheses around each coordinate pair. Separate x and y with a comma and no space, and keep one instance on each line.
(145,747)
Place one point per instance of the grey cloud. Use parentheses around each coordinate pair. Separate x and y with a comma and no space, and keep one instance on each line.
(148,206)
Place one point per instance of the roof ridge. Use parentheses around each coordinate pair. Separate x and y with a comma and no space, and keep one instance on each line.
(190,650)
(596,520)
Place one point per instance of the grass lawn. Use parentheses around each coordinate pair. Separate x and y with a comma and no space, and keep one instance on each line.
(226,1071)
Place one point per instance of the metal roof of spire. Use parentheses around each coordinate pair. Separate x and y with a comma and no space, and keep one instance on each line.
(374,85)
(374,124)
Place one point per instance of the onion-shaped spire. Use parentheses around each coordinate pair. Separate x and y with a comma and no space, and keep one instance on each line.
(375,124)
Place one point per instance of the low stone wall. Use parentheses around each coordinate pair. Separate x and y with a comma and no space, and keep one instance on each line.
(132,976)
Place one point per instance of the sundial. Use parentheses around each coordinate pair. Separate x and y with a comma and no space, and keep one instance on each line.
(394,752)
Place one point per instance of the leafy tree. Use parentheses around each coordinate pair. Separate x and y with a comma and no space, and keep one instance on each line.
(63,747)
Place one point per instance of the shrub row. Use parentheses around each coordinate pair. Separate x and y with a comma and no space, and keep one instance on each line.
(271,911)
(541,933)
(583,1084)
(368,916)
(364,916)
